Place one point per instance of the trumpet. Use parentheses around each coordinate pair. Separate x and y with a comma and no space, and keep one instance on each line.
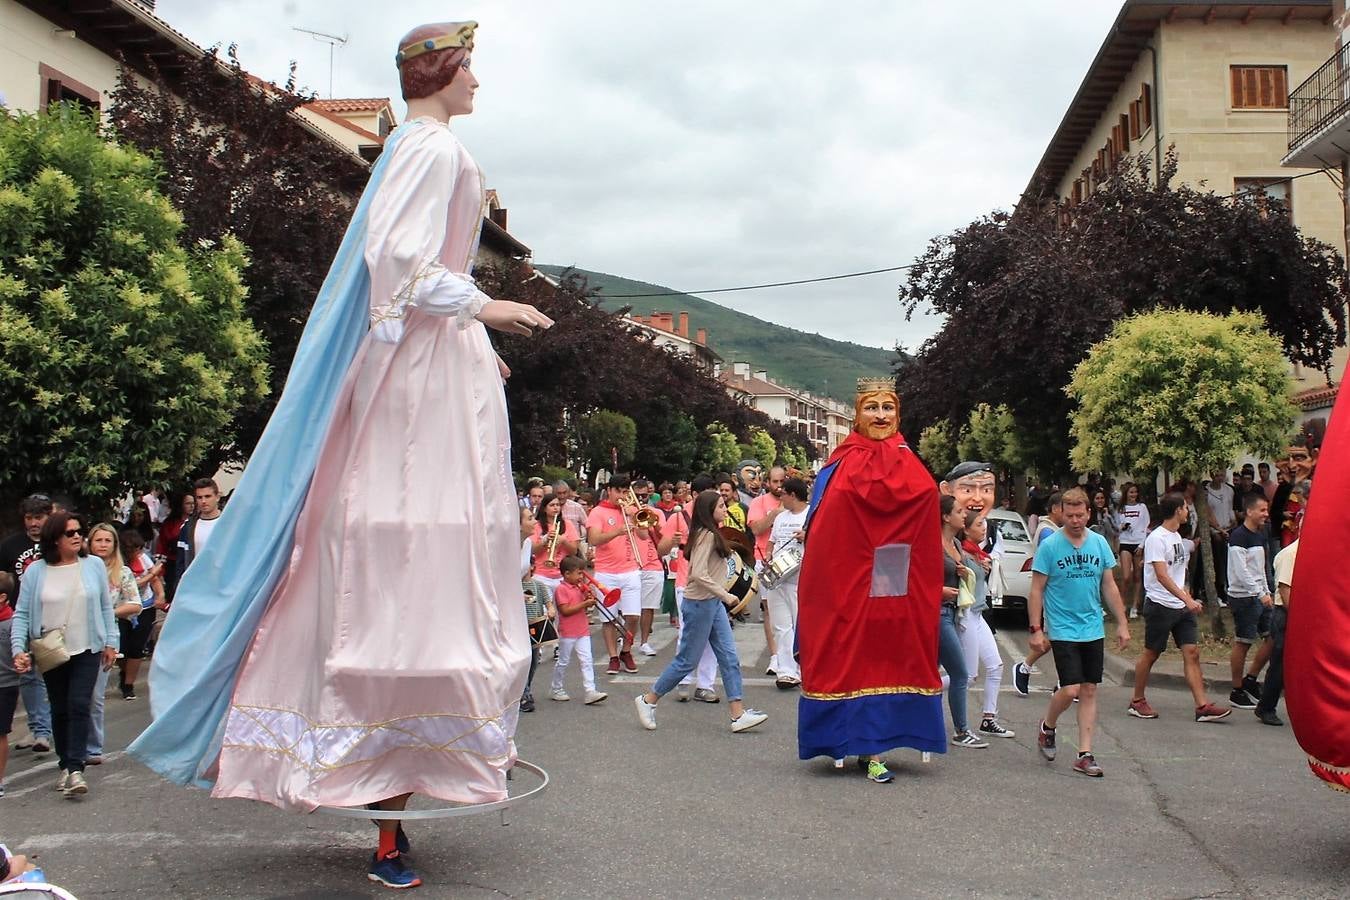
(608,599)
(553,539)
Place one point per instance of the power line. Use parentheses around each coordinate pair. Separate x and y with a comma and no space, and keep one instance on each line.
(1257,188)
(755,287)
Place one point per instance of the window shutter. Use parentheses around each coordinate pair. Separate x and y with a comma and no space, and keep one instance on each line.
(1146,107)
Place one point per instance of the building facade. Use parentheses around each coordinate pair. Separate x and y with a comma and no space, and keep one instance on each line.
(823,421)
(1319,135)
(667,331)
(1213,80)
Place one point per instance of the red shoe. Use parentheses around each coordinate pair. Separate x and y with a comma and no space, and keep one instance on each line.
(613,666)
(1086,765)
(1211,713)
(1141,710)
(628,664)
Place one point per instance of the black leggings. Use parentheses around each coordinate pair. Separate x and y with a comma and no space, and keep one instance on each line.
(70,688)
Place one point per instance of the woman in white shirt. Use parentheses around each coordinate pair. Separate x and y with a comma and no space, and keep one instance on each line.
(68,591)
(1133,519)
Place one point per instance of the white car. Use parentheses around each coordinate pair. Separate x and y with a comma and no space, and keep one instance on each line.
(1016,562)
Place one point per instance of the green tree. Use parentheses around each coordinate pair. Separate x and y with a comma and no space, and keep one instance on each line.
(1027,293)
(1184,392)
(762,446)
(991,435)
(792,457)
(605,433)
(126,354)
(937,447)
(667,441)
(719,451)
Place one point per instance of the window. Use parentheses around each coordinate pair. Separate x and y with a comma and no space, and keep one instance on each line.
(1146,108)
(1134,121)
(59,88)
(1260,87)
(1268,192)
(1124,133)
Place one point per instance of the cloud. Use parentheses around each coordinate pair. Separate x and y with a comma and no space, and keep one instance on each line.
(705,144)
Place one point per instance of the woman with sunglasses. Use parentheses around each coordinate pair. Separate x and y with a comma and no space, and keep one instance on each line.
(67,591)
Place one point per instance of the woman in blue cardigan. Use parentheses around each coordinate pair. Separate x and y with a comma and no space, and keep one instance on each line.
(67,589)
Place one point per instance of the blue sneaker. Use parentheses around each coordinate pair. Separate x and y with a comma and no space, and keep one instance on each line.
(392,872)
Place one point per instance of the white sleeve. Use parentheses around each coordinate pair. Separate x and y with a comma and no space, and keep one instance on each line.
(405,231)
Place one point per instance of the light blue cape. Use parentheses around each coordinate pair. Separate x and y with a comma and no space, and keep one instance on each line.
(224,592)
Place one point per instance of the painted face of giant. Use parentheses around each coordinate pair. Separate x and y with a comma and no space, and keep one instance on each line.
(877,415)
(974,492)
(1302,462)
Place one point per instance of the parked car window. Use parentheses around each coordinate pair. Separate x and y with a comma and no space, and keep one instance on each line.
(1010,529)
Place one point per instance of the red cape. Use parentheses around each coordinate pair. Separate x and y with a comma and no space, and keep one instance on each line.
(852,643)
(1317,641)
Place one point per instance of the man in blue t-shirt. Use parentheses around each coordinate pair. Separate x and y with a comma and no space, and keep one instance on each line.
(1070,576)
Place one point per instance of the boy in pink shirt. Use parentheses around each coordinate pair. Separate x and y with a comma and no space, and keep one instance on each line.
(573,600)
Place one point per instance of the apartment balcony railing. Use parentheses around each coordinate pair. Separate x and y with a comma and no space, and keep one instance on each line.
(1321,100)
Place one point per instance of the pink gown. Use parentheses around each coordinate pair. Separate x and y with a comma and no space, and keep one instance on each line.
(393,652)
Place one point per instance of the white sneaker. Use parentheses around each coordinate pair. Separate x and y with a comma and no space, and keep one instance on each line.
(646,712)
(64,781)
(559,695)
(593,697)
(683,692)
(1134,613)
(646,650)
(749,719)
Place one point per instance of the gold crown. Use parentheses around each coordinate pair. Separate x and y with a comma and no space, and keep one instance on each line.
(872,385)
(462,36)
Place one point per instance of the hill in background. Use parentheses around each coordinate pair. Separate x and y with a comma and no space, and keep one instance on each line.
(792,357)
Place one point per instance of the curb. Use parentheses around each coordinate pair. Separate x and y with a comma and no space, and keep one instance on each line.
(1122,671)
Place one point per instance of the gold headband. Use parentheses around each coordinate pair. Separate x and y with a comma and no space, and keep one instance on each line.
(462,36)
(873,385)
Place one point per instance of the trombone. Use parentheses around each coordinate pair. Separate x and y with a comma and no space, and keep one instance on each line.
(645,517)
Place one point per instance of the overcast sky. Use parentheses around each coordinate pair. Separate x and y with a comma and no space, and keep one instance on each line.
(710,144)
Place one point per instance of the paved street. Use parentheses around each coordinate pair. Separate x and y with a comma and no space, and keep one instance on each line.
(692,810)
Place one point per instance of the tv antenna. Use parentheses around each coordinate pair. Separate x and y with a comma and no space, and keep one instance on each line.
(333,41)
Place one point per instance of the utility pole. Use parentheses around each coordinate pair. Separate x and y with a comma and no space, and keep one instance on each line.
(332,40)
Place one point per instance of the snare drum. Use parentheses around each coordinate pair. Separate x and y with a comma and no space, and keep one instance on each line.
(543,631)
(784,563)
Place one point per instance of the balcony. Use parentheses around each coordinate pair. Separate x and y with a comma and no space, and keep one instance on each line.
(1319,115)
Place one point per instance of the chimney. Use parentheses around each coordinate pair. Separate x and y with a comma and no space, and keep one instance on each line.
(740,369)
(762,375)
(684,324)
(498,217)
(663,320)
(701,336)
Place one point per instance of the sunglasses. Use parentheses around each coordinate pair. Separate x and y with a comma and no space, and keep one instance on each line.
(74,532)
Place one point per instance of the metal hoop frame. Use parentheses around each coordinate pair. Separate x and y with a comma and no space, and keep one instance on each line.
(446,812)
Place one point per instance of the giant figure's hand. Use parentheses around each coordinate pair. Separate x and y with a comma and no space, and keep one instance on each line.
(512,317)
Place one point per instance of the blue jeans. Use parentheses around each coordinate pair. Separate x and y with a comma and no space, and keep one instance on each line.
(96,711)
(703,623)
(953,659)
(33,690)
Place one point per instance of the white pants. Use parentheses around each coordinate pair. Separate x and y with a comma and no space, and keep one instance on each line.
(707,663)
(582,646)
(782,600)
(982,651)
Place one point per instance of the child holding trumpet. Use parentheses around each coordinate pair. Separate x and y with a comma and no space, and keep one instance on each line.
(574,598)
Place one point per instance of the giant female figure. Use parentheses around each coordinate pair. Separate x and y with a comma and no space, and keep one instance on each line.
(378,646)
